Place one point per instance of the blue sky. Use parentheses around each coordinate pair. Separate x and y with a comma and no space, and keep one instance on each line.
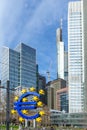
(34,22)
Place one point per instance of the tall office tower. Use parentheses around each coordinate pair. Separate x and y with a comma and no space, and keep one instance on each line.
(60,54)
(76,57)
(27,65)
(9,67)
(19,66)
(85,51)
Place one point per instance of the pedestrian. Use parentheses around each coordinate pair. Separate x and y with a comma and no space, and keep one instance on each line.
(51,128)
(43,128)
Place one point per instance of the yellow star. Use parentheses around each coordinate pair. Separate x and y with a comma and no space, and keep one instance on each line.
(25,112)
(21,119)
(16,98)
(32,89)
(39,104)
(42,113)
(24,100)
(35,98)
(13,111)
(39,119)
(24,91)
(41,91)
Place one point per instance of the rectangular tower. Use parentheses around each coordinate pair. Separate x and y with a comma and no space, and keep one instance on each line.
(60,54)
(10,67)
(27,65)
(85,52)
(19,66)
(76,57)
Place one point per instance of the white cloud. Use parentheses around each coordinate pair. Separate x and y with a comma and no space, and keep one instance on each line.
(46,14)
(41,14)
(23,20)
(9,16)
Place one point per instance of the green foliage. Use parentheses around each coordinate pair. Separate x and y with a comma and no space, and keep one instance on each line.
(3,127)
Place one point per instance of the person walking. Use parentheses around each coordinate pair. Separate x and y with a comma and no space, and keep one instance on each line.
(51,128)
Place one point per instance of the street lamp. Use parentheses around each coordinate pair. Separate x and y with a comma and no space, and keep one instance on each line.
(7,103)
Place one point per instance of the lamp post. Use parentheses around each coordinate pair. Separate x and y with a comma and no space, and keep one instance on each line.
(7,107)
(7,103)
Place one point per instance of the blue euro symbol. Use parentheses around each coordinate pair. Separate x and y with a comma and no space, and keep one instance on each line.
(19,105)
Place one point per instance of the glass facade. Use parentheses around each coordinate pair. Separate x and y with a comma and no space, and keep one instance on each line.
(64,102)
(85,52)
(5,65)
(13,68)
(69,119)
(27,65)
(75,57)
(19,66)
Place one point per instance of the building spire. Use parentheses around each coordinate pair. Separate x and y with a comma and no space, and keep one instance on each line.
(61,23)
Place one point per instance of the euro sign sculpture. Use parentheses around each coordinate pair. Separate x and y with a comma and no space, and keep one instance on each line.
(22,105)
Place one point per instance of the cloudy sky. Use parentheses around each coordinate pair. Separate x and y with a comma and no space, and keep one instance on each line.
(34,22)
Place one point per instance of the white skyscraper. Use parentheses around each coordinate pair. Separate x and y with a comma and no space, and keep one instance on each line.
(76,57)
(85,52)
(60,54)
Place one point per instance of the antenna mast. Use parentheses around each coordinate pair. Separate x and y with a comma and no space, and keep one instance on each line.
(61,23)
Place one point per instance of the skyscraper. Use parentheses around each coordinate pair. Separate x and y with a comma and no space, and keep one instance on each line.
(60,54)
(62,57)
(9,67)
(19,66)
(85,52)
(76,57)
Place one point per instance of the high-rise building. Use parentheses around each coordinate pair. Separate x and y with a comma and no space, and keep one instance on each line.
(60,54)
(19,66)
(85,52)
(62,57)
(9,67)
(76,57)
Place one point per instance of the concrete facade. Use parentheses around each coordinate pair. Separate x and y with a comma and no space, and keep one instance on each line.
(52,88)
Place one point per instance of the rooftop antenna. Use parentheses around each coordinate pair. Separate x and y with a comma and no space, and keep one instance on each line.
(61,23)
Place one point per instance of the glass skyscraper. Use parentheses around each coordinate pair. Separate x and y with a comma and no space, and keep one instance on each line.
(19,66)
(76,57)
